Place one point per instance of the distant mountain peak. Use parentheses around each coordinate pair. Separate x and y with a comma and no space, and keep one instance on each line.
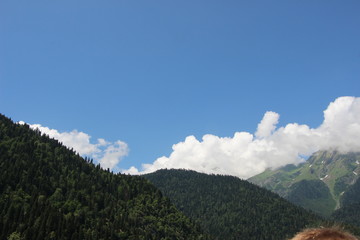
(336,169)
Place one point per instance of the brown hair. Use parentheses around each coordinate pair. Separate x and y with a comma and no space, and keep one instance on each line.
(323,234)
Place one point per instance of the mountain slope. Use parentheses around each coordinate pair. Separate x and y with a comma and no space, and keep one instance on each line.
(314,194)
(333,171)
(231,208)
(49,192)
(350,206)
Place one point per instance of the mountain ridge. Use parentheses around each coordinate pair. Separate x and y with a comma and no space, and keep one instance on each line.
(338,171)
(48,191)
(228,207)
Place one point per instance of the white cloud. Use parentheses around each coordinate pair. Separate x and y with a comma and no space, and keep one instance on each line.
(106,153)
(113,154)
(267,125)
(245,155)
(132,171)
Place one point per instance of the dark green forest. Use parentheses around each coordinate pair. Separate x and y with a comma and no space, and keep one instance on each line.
(47,191)
(230,208)
(350,206)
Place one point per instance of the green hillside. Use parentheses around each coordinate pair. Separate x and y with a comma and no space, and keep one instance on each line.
(350,206)
(314,194)
(335,170)
(352,195)
(49,192)
(230,208)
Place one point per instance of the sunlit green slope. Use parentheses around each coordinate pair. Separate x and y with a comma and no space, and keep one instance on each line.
(318,184)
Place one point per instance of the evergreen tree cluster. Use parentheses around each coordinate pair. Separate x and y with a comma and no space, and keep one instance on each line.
(230,208)
(49,192)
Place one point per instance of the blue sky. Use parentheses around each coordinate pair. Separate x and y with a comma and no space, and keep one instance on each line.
(151,73)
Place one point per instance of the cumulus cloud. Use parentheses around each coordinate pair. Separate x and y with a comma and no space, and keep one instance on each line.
(267,125)
(113,154)
(245,154)
(108,154)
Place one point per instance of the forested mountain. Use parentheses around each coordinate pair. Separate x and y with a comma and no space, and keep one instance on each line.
(320,184)
(49,192)
(350,206)
(230,208)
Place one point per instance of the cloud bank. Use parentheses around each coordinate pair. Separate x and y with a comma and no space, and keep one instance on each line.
(108,154)
(246,154)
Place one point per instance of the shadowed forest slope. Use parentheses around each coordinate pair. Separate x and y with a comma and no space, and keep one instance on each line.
(230,208)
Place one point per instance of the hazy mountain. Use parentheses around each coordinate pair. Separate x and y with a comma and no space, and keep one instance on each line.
(319,184)
(49,192)
(230,208)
